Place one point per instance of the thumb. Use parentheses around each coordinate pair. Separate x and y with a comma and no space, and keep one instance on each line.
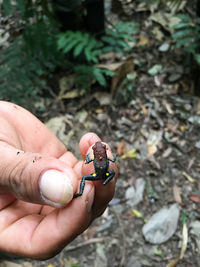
(36,178)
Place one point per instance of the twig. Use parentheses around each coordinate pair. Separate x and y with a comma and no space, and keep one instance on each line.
(86,243)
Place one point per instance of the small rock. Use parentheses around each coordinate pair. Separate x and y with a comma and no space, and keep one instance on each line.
(155,69)
(194,119)
(195,230)
(135,194)
(162,225)
(197,144)
(164,47)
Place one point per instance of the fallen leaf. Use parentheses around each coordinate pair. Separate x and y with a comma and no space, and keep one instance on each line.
(177,194)
(143,40)
(120,69)
(173,263)
(188,177)
(152,149)
(184,240)
(69,95)
(158,34)
(130,154)
(121,148)
(166,20)
(167,152)
(195,198)
(144,110)
(137,213)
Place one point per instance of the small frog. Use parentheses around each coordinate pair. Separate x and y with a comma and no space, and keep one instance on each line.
(101,166)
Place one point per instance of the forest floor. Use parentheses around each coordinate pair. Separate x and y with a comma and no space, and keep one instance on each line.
(156,136)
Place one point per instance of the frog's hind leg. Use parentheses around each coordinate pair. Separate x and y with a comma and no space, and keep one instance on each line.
(89,177)
(109,175)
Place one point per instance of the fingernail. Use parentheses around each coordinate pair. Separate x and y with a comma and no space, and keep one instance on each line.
(56,188)
(89,192)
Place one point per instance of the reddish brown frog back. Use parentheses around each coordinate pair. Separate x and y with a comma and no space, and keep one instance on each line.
(100,156)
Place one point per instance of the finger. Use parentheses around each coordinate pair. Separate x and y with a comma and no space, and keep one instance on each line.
(55,230)
(69,159)
(35,177)
(25,131)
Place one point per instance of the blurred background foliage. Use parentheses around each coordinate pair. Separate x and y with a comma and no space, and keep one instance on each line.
(43,40)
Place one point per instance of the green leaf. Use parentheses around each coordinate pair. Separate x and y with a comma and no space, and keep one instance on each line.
(181,25)
(7,7)
(98,74)
(21,5)
(183,33)
(197,58)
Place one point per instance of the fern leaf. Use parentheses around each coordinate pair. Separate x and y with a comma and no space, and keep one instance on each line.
(21,5)
(183,33)
(80,47)
(71,44)
(7,7)
(181,25)
(123,44)
(183,42)
(98,75)
(109,39)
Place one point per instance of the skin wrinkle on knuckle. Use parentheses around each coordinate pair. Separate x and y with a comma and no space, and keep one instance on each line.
(18,178)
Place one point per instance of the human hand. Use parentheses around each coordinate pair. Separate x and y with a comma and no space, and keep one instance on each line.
(38,178)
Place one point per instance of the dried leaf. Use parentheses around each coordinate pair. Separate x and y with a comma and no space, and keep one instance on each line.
(195,198)
(69,95)
(143,40)
(152,149)
(121,148)
(130,154)
(184,240)
(188,177)
(137,213)
(144,110)
(120,69)
(167,152)
(177,194)
(173,263)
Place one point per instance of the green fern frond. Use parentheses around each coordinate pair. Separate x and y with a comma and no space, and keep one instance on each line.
(187,35)
(7,7)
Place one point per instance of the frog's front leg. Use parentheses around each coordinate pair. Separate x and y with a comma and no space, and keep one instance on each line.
(113,159)
(109,175)
(88,159)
